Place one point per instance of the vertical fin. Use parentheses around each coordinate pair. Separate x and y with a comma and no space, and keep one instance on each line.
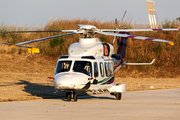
(122,43)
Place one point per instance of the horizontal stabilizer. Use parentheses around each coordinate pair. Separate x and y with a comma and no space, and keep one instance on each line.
(140,63)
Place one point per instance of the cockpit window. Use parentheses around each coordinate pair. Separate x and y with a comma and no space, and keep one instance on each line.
(63,66)
(84,67)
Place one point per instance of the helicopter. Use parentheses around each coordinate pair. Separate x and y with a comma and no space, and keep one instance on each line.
(90,64)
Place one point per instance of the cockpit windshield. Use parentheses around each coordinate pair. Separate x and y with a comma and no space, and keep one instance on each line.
(63,66)
(83,67)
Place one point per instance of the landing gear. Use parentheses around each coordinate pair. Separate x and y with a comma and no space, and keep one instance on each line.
(118,96)
(71,95)
(68,96)
(75,98)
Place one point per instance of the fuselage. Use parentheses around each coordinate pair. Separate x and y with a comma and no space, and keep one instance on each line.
(88,66)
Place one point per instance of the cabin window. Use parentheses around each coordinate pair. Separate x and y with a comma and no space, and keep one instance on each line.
(109,68)
(63,66)
(95,69)
(101,69)
(112,68)
(84,67)
(106,69)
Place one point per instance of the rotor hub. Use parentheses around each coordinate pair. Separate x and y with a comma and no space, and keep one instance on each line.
(88,31)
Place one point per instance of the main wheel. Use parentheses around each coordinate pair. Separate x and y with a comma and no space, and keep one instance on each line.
(75,98)
(68,96)
(118,96)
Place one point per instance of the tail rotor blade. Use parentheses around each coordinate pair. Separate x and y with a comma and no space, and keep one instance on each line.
(123,18)
(115,31)
(116,23)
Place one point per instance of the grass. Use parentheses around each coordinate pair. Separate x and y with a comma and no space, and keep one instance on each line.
(137,50)
(24,77)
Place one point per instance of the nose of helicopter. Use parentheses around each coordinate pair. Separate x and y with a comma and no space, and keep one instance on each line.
(69,80)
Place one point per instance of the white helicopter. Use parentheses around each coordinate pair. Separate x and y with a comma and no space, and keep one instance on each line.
(90,64)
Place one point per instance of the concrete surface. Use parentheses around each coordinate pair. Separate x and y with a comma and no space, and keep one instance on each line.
(139,105)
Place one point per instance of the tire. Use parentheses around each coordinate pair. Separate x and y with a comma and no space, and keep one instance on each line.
(69,96)
(75,98)
(66,96)
(118,96)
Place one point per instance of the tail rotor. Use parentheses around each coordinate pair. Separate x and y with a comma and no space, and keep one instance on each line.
(118,26)
(115,31)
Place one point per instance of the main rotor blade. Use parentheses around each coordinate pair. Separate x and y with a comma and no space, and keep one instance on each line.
(39,31)
(14,44)
(135,37)
(131,30)
(36,40)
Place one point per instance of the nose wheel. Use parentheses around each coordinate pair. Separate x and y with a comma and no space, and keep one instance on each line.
(118,96)
(71,95)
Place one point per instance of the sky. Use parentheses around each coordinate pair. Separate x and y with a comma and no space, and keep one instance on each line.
(37,12)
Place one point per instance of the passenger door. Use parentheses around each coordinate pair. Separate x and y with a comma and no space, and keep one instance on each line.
(95,74)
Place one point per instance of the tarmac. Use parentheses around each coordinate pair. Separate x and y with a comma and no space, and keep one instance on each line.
(138,105)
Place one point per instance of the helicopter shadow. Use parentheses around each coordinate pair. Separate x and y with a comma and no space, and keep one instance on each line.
(39,90)
(94,97)
(47,92)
